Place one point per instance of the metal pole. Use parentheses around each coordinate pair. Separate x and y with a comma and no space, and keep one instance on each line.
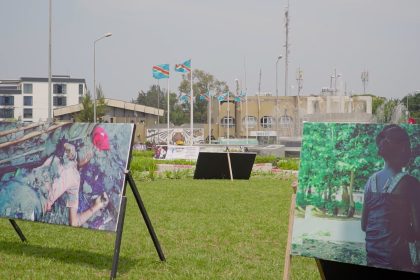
(94,73)
(246,102)
(277,100)
(228,117)
(335,81)
(192,109)
(168,117)
(286,60)
(94,82)
(246,118)
(49,65)
(158,116)
(209,115)
(408,111)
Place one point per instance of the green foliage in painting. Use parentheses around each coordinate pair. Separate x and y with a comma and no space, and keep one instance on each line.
(337,159)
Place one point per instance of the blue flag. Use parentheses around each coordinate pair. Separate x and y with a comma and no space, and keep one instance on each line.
(222,97)
(184,98)
(183,67)
(161,71)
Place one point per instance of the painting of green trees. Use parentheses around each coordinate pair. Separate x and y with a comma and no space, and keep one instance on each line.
(336,161)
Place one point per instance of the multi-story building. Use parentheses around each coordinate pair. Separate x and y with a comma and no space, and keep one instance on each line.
(268,117)
(26,99)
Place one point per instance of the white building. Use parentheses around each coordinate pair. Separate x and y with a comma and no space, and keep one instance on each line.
(27,99)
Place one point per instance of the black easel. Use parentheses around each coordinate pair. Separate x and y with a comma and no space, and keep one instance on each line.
(18,230)
(120,225)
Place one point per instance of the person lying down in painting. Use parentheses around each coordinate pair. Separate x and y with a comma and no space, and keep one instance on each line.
(33,195)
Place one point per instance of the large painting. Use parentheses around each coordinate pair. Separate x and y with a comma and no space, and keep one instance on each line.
(358,196)
(63,173)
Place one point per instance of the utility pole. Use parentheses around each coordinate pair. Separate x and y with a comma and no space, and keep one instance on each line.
(50,117)
(365,80)
(286,60)
(258,98)
(246,102)
(299,79)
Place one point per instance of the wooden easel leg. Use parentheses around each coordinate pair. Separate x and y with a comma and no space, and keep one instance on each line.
(118,238)
(288,256)
(230,166)
(145,216)
(18,230)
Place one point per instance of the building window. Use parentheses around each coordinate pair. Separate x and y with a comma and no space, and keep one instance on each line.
(27,88)
(59,101)
(60,88)
(266,122)
(7,113)
(7,100)
(251,120)
(27,113)
(27,101)
(225,121)
(285,120)
(316,107)
(80,89)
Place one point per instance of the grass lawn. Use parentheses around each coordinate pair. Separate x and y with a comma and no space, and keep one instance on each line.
(208,229)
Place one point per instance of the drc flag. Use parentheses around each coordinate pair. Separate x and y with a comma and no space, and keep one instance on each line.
(184,67)
(161,71)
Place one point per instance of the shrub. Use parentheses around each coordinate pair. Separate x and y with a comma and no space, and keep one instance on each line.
(265,159)
(142,164)
(147,153)
(288,163)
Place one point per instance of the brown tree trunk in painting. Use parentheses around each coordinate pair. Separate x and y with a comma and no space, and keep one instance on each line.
(351,210)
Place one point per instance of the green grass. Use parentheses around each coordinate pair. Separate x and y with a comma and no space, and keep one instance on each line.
(208,229)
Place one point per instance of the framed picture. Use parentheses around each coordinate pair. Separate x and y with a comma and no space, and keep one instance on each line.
(358,196)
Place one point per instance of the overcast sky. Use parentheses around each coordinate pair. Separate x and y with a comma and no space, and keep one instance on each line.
(226,38)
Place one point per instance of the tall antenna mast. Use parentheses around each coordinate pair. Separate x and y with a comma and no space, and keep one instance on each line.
(365,80)
(299,79)
(286,60)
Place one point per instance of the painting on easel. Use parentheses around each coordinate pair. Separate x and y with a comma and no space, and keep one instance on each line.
(64,173)
(358,196)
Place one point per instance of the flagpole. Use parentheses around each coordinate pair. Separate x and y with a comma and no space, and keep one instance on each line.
(158,120)
(246,101)
(191,109)
(167,140)
(219,122)
(228,119)
(209,115)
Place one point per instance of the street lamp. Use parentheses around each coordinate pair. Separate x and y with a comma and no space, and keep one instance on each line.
(50,116)
(277,100)
(94,73)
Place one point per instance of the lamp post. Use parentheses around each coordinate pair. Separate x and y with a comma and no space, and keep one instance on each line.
(94,73)
(49,65)
(277,100)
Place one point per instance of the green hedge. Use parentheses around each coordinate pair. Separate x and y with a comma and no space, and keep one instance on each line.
(288,163)
(144,161)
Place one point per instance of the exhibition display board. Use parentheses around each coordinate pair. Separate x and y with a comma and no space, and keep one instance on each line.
(358,198)
(71,174)
(224,165)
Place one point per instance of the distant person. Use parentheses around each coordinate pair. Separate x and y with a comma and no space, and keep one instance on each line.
(391,210)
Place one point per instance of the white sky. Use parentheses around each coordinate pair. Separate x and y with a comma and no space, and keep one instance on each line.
(380,36)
